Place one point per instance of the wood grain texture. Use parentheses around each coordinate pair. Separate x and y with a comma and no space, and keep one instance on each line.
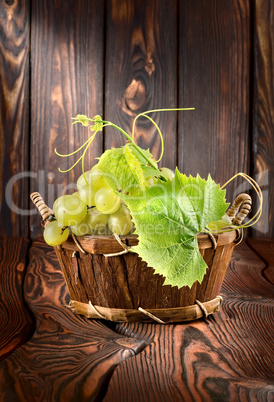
(228,357)
(245,276)
(141,72)
(14,116)
(68,357)
(16,325)
(263,112)
(67,79)
(214,71)
(265,250)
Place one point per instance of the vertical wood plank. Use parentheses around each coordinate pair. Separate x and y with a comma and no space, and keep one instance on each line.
(263,112)
(141,72)
(214,71)
(16,325)
(14,116)
(67,79)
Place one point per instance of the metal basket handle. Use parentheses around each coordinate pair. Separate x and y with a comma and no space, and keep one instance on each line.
(239,209)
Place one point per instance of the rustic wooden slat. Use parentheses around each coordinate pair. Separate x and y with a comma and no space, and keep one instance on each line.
(68,357)
(214,71)
(263,112)
(16,324)
(225,358)
(141,72)
(14,117)
(122,282)
(67,79)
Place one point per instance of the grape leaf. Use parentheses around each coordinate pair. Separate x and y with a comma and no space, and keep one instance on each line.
(139,156)
(168,217)
(148,170)
(122,170)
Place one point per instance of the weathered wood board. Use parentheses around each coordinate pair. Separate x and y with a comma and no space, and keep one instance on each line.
(119,58)
(16,324)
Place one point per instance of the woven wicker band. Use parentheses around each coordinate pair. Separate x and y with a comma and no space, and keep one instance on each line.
(162,316)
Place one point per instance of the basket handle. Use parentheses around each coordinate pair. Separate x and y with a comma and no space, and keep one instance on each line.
(40,204)
(239,209)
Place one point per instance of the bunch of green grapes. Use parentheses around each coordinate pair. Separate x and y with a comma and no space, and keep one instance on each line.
(93,209)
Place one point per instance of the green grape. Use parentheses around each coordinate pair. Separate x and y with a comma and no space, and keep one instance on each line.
(86,194)
(120,221)
(97,178)
(58,200)
(84,179)
(94,178)
(54,235)
(106,201)
(167,173)
(96,220)
(219,225)
(82,228)
(69,210)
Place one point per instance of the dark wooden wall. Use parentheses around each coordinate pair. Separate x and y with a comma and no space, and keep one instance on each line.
(117,58)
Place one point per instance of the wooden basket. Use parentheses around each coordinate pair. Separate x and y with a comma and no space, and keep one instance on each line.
(123,288)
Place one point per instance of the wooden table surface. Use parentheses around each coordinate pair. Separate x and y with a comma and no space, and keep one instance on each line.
(49,354)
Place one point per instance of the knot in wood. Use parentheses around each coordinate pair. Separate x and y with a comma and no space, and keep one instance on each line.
(150,68)
(135,95)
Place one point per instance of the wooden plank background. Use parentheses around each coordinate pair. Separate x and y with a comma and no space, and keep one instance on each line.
(118,58)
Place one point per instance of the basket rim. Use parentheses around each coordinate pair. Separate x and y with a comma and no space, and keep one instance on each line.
(105,244)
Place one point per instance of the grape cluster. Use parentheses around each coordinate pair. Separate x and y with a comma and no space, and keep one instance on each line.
(93,209)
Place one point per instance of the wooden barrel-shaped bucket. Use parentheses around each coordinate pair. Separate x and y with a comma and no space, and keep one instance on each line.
(122,288)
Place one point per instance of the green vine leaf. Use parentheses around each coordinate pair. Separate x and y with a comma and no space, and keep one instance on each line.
(122,170)
(81,118)
(98,124)
(168,218)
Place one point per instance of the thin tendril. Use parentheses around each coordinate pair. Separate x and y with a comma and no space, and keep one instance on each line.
(67,170)
(258,191)
(72,153)
(159,131)
(88,142)
(161,136)
(84,153)
(252,221)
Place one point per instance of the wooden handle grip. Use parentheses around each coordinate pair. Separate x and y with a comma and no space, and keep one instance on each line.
(239,209)
(40,204)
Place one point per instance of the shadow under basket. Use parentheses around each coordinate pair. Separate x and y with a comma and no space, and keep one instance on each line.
(122,288)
